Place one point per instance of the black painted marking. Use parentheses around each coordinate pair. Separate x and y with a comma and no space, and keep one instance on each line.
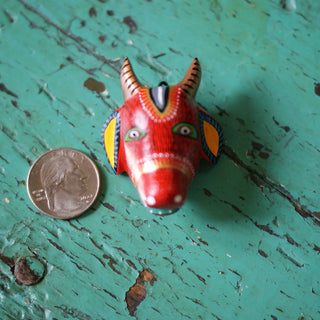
(132,83)
(126,65)
(134,89)
(127,78)
(125,72)
(159,96)
(185,90)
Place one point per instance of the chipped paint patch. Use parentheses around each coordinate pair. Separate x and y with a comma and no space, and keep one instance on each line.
(289,5)
(131,24)
(95,85)
(291,256)
(138,292)
(317,89)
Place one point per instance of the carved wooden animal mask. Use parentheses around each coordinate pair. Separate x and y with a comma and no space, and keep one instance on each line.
(159,136)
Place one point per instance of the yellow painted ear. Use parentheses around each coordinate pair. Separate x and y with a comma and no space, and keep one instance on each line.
(110,136)
(211,136)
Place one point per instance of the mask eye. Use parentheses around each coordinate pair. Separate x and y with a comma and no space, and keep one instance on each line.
(134,134)
(185,129)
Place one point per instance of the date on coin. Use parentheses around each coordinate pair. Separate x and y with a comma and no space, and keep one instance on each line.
(63,183)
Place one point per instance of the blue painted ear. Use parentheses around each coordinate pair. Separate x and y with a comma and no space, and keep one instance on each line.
(211,137)
(111,139)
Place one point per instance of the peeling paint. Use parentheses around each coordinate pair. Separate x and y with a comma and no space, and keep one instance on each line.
(290,255)
(131,24)
(29,271)
(94,85)
(317,89)
(4,89)
(289,5)
(138,292)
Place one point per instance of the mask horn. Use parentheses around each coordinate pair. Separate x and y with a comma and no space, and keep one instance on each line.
(129,83)
(191,80)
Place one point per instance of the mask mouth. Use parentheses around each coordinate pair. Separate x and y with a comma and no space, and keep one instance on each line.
(163,191)
(156,161)
(162,212)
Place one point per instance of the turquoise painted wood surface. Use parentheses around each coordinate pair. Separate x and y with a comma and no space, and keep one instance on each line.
(246,243)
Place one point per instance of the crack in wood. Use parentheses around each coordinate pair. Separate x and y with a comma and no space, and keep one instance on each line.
(261,180)
(79,229)
(111,263)
(73,312)
(203,280)
(4,89)
(196,301)
(262,253)
(263,227)
(291,257)
(111,63)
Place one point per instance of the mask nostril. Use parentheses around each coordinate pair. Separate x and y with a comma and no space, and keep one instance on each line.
(178,198)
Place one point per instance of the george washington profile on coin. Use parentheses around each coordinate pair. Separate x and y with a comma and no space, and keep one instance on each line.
(63,183)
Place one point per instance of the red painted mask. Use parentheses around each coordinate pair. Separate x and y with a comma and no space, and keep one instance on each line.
(159,136)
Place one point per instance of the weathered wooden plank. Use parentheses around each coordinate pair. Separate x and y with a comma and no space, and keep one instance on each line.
(246,243)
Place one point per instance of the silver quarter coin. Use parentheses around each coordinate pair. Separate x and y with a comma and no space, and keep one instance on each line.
(63,183)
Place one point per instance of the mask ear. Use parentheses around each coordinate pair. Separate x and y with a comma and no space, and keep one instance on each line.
(111,140)
(211,136)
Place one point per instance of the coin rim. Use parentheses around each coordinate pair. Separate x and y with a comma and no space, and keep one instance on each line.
(64,217)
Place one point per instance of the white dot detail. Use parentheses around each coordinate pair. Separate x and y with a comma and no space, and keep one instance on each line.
(177,198)
(151,200)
